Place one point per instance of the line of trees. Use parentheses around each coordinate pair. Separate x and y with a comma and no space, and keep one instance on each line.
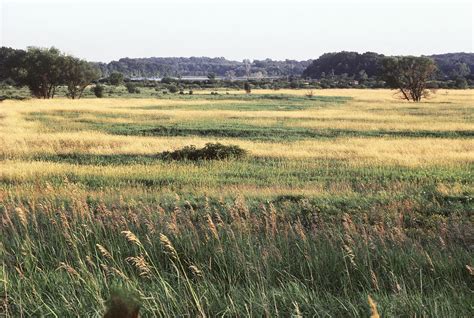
(349,69)
(42,70)
(202,66)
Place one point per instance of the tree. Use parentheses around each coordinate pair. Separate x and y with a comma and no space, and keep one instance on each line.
(42,71)
(460,70)
(409,74)
(78,74)
(247,87)
(11,61)
(116,79)
(350,63)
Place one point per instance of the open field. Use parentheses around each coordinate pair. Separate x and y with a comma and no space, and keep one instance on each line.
(343,195)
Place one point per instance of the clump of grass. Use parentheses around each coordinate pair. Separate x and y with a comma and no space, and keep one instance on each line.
(211,151)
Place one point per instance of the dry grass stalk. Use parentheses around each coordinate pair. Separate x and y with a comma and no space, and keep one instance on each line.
(196,271)
(90,262)
(375,281)
(169,249)
(69,269)
(470,269)
(300,230)
(104,251)
(373,308)
(22,216)
(132,238)
(140,263)
(350,254)
(430,261)
(119,273)
(212,227)
(297,312)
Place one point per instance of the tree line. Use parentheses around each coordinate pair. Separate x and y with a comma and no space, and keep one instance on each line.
(43,70)
(202,66)
(453,70)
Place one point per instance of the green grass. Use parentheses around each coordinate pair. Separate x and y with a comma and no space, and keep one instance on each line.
(161,125)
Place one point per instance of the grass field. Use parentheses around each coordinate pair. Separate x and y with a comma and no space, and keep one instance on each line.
(347,194)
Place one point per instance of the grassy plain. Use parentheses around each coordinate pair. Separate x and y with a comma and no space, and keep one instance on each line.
(346,194)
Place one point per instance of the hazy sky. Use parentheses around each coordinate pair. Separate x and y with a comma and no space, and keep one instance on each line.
(103,30)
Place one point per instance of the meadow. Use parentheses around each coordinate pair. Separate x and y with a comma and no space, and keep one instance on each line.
(342,195)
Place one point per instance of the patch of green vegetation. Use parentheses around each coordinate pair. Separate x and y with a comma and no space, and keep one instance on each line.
(260,172)
(159,125)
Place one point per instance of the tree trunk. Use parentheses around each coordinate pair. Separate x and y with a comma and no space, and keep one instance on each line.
(404,94)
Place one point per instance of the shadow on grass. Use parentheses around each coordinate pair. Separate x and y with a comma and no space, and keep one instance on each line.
(291,133)
(100,160)
(210,152)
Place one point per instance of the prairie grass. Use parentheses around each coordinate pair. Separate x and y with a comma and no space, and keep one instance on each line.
(352,203)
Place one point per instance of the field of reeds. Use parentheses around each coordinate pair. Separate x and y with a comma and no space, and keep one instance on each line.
(341,196)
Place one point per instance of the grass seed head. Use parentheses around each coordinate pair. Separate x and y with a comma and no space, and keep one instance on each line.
(104,251)
(169,248)
(132,238)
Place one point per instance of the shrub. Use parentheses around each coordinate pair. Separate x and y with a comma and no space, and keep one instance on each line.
(172,88)
(132,88)
(211,151)
(98,90)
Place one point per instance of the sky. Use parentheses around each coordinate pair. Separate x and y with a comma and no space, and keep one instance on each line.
(105,30)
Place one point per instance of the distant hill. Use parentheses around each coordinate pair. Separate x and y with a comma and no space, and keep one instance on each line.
(202,66)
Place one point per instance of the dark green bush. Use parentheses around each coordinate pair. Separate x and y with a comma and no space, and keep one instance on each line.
(212,151)
(173,89)
(98,90)
(132,88)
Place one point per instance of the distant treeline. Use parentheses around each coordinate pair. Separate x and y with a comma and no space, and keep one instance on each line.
(203,66)
(454,70)
(331,70)
(340,69)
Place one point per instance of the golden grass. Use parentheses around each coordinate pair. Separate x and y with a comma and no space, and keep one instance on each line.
(369,110)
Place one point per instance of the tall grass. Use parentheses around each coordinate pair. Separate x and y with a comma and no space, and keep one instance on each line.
(63,255)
